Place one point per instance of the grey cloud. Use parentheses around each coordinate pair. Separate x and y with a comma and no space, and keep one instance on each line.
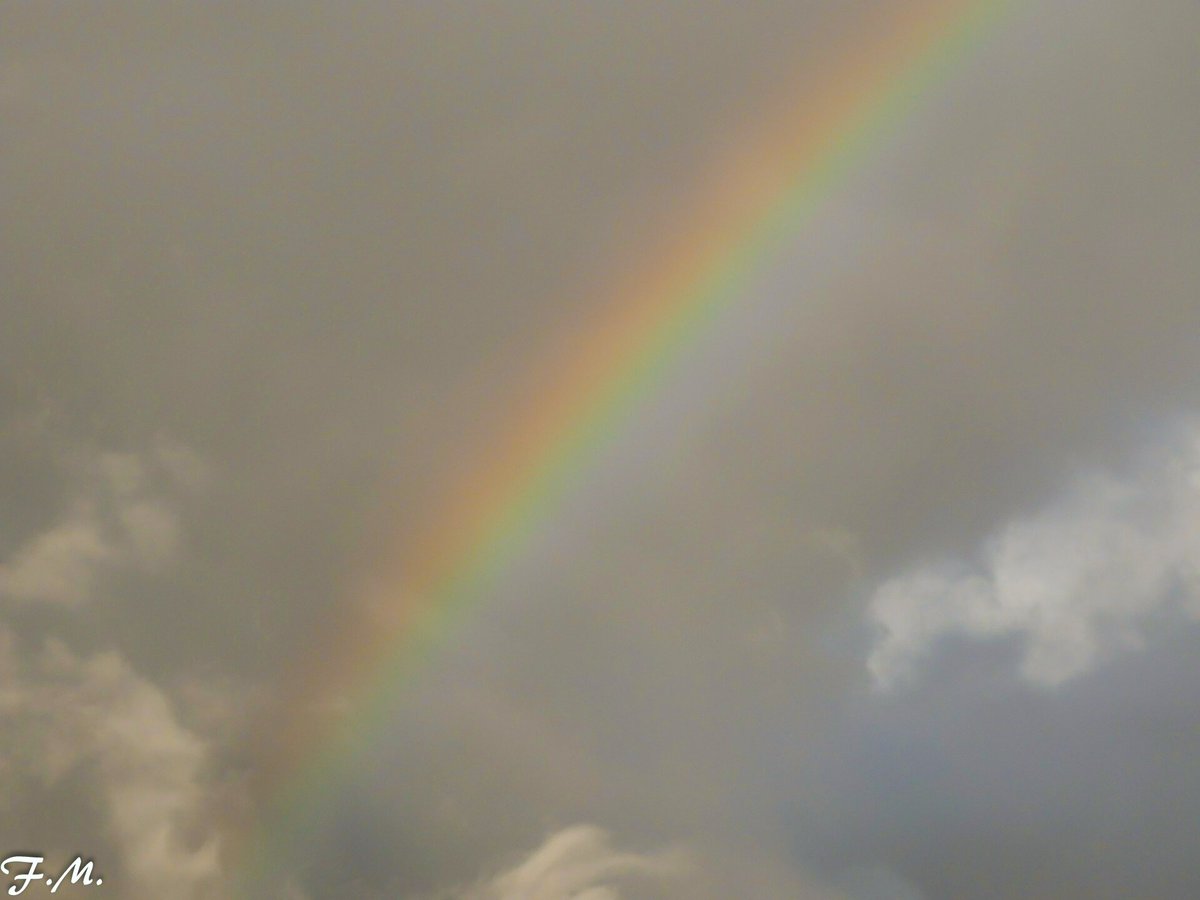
(972,784)
(320,244)
(983,320)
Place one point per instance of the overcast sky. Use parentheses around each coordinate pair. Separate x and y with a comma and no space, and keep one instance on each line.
(891,592)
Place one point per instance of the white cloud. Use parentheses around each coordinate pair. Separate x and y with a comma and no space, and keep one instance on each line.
(579,863)
(60,565)
(97,718)
(1076,580)
(123,517)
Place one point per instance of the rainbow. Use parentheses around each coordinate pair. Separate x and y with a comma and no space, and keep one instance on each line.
(585,395)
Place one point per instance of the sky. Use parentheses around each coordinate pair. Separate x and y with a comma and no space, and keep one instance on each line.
(890,592)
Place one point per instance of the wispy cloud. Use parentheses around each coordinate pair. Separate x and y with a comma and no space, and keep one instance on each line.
(124,515)
(97,722)
(92,721)
(1076,580)
(579,862)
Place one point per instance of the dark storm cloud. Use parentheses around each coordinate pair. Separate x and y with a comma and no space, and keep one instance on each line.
(974,786)
(316,244)
(312,246)
(315,247)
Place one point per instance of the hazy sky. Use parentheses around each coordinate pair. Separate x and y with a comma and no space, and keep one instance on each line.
(892,592)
